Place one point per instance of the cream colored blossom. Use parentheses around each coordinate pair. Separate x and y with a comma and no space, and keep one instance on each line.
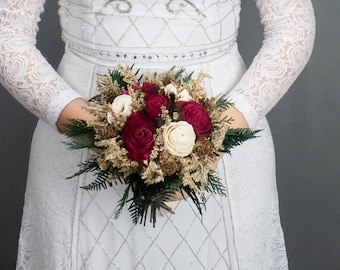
(109,117)
(184,95)
(179,138)
(120,105)
(170,89)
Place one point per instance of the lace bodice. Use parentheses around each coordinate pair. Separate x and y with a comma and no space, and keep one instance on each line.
(289,33)
(145,24)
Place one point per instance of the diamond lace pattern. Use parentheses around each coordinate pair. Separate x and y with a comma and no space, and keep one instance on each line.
(65,227)
(107,230)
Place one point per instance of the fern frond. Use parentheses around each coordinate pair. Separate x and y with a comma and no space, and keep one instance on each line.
(117,77)
(235,137)
(90,165)
(97,184)
(78,127)
(147,199)
(82,135)
(198,201)
(214,184)
(122,202)
(81,144)
(188,77)
(223,102)
(179,73)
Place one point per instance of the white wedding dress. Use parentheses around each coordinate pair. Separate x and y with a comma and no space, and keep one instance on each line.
(65,227)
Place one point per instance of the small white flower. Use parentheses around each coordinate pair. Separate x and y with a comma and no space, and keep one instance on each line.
(120,105)
(179,138)
(170,89)
(109,117)
(184,96)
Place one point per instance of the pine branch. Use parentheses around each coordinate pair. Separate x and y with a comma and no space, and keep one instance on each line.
(96,185)
(188,77)
(214,184)
(235,137)
(147,199)
(78,127)
(90,165)
(81,144)
(82,135)
(101,175)
(179,73)
(199,202)
(116,76)
(223,102)
(122,202)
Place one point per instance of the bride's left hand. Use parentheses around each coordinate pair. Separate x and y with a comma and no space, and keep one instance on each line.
(238,121)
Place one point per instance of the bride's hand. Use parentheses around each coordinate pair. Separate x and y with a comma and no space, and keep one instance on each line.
(238,121)
(76,109)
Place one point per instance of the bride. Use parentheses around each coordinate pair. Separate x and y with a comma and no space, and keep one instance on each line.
(65,227)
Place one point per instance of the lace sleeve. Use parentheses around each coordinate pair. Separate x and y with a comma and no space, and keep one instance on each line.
(289,30)
(24,72)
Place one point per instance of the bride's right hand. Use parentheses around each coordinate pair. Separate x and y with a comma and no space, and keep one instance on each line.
(76,109)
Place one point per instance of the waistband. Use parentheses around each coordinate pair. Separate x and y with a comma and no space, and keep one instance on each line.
(184,55)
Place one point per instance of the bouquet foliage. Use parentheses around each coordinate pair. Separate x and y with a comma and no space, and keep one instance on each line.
(157,136)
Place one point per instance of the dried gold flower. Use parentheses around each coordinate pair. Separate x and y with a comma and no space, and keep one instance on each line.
(106,132)
(152,174)
(169,164)
(203,147)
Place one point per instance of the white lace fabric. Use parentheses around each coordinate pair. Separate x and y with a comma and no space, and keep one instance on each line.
(67,228)
(23,70)
(289,31)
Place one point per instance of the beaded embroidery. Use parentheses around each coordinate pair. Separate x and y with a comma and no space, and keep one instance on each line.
(121,6)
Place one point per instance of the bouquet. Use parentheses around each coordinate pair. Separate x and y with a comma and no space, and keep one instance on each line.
(156,136)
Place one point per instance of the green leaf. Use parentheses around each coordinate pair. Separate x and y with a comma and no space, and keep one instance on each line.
(97,184)
(82,135)
(147,199)
(214,184)
(198,201)
(235,137)
(223,102)
(90,165)
(117,77)
(122,202)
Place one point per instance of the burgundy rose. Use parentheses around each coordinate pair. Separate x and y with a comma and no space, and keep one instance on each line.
(153,104)
(148,88)
(138,136)
(196,115)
